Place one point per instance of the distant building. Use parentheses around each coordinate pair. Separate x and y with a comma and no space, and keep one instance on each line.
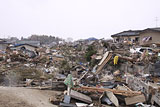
(24,47)
(142,37)
(3,44)
(128,36)
(12,40)
(91,39)
(33,43)
(27,49)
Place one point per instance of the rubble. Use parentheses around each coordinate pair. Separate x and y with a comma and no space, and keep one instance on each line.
(97,73)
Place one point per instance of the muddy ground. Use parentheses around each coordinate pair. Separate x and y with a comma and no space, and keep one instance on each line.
(24,97)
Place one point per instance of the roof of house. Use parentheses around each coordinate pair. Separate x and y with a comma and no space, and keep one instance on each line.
(153,29)
(2,41)
(127,33)
(35,43)
(24,44)
(91,39)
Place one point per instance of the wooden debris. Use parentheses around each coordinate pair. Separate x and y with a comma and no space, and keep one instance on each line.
(156,98)
(101,90)
(127,58)
(52,99)
(80,96)
(67,105)
(78,81)
(137,84)
(135,99)
(41,88)
(127,87)
(113,98)
(28,83)
(103,63)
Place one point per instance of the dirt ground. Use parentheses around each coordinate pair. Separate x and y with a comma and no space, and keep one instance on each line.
(23,97)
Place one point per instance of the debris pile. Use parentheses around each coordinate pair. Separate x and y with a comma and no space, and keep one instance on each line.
(88,73)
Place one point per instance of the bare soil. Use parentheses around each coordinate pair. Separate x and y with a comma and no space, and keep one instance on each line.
(23,97)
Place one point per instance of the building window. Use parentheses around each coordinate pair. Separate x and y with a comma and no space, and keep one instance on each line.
(150,38)
(129,39)
(117,40)
(146,39)
(136,39)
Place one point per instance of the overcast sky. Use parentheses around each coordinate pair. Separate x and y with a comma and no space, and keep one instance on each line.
(76,18)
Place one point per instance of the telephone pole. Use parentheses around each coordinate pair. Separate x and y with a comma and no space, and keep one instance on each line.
(156,20)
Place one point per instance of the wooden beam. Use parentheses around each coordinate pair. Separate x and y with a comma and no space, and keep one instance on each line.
(135,99)
(80,96)
(101,90)
(127,58)
(103,64)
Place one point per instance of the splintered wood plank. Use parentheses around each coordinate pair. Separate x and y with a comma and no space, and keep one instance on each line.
(103,63)
(113,98)
(80,96)
(101,90)
(135,99)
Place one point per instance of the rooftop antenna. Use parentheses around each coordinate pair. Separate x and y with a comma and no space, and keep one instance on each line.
(156,21)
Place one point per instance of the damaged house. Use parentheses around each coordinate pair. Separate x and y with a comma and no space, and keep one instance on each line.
(24,47)
(131,36)
(143,37)
(30,50)
(33,43)
(150,36)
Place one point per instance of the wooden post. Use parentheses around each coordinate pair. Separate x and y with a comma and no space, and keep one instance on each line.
(52,83)
(68,90)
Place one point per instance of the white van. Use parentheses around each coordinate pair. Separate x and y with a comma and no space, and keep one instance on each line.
(141,49)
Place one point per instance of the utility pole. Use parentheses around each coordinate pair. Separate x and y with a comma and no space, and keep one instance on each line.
(156,21)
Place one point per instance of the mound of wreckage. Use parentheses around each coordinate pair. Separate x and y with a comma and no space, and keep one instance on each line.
(117,78)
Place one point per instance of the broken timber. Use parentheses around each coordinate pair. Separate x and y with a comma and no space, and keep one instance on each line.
(113,98)
(103,63)
(78,81)
(135,99)
(101,90)
(127,58)
(80,96)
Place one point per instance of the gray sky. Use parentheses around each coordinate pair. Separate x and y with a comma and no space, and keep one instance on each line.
(76,18)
